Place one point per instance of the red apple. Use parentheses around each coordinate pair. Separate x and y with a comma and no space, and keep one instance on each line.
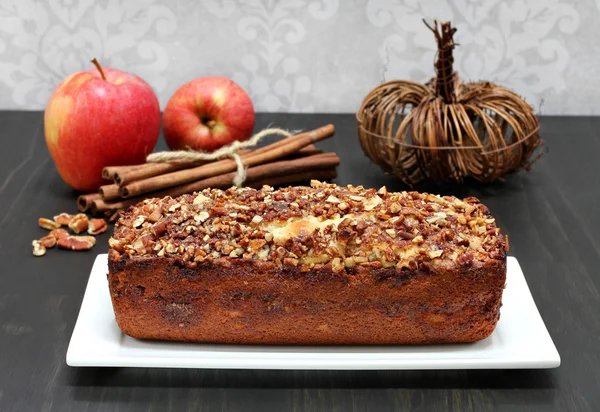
(208,113)
(98,118)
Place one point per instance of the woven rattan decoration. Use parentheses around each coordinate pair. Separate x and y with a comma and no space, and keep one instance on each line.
(446,130)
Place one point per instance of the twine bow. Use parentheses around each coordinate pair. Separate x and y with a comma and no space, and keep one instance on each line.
(230,151)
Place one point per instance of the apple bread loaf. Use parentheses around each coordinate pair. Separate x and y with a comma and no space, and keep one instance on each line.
(307,265)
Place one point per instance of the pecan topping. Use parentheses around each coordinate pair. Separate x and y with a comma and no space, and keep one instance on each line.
(309,227)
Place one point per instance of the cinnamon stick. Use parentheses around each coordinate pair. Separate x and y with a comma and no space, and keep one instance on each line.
(309,150)
(152,169)
(84,202)
(109,192)
(125,177)
(108,172)
(99,206)
(290,145)
(269,153)
(287,167)
(262,173)
(113,215)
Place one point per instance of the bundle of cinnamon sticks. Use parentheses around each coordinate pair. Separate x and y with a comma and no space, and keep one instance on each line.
(291,160)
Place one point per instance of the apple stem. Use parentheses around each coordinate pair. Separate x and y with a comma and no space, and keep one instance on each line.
(99,68)
(211,124)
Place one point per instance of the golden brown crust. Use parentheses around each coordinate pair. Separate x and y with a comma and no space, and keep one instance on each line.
(384,289)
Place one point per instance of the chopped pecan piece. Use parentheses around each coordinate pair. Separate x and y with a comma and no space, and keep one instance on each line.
(405,235)
(59,233)
(155,215)
(79,223)
(38,248)
(63,219)
(435,253)
(97,226)
(117,245)
(466,258)
(48,223)
(48,241)
(337,265)
(77,242)
(218,210)
(159,229)
(496,254)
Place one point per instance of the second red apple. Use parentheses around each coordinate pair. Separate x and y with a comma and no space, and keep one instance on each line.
(208,113)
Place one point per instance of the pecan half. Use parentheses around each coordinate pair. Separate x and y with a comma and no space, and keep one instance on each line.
(59,233)
(63,219)
(38,248)
(77,242)
(79,223)
(48,241)
(48,223)
(97,226)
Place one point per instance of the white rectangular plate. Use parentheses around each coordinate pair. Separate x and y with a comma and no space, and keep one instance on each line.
(520,341)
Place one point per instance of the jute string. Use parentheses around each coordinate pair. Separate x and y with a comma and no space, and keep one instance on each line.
(230,151)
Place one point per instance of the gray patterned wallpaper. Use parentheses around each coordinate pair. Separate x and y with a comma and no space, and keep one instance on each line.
(304,55)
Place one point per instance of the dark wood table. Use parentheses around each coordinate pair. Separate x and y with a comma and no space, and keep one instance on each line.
(552,215)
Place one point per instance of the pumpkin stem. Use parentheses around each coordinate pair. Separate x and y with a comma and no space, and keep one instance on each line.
(446,79)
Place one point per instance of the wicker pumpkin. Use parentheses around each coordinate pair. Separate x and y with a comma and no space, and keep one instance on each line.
(446,130)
